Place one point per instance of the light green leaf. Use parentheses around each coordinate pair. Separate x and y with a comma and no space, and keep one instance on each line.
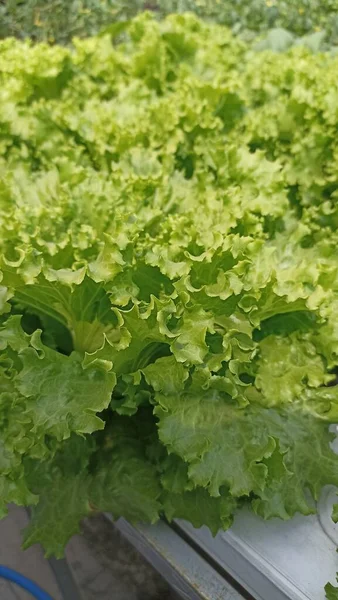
(174,477)
(62,485)
(200,509)
(56,518)
(242,448)
(287,365)
(189,345)
(61,395)
(229,453)
(166,375)
(12,335)
(15,491)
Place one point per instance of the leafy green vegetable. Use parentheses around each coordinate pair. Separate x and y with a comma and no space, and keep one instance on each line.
(331,591)
(60,20)
(169,279)
(335,513)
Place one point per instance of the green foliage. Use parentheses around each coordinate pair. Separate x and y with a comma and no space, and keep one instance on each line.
(249,17)
(169,278)
(60,20)
(331,591)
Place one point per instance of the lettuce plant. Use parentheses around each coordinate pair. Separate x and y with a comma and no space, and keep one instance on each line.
(60,20)
(169,278)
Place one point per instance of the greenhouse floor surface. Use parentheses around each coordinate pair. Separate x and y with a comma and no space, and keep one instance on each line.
(104,565)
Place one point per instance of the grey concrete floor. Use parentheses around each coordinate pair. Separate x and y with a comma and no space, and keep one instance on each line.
(104,565)
(107,567)
(30,563)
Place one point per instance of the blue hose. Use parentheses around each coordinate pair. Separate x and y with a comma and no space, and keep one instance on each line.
(24,582)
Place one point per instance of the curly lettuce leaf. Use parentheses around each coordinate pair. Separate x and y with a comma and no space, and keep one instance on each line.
(287,366)
(76,482)
(199,508)
(251,449)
